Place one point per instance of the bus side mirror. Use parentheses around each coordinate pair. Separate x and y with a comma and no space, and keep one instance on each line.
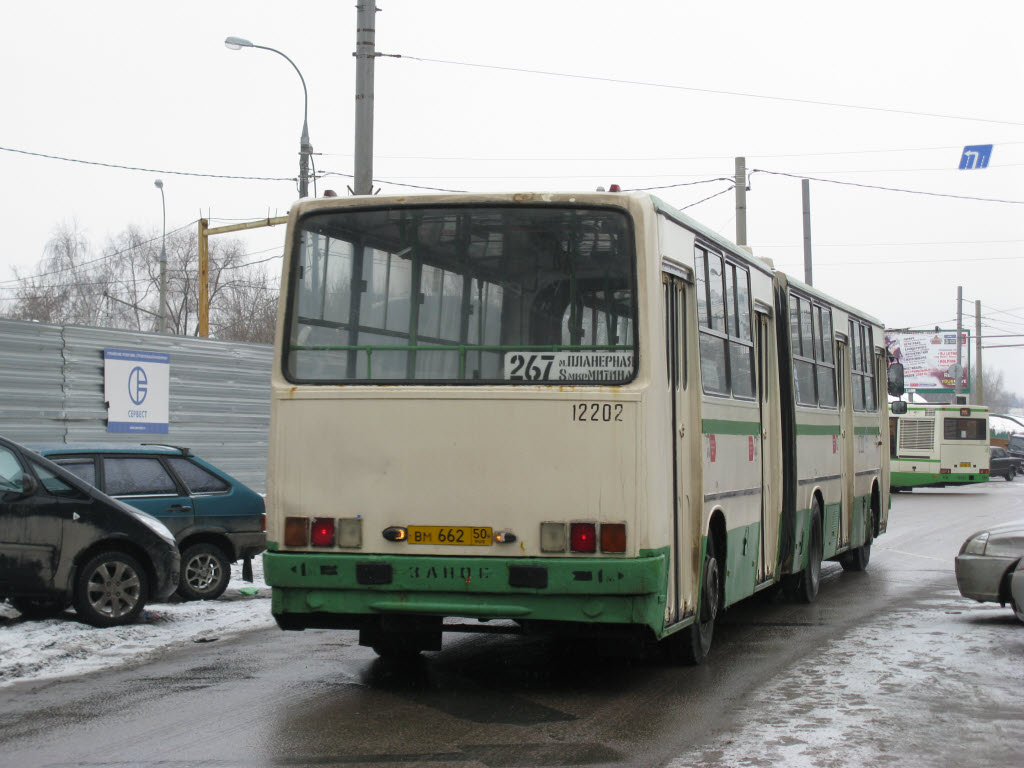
(895,376)
(898,408)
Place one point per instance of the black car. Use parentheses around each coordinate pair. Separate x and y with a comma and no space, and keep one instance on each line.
(215,518)
(63,542)
(1002,464)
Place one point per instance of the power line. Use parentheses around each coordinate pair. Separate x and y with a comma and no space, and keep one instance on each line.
(97,259)
(886,189)
(750,155)
(140,279)
(889,245)
(392,183)
(693,89)
(147,170)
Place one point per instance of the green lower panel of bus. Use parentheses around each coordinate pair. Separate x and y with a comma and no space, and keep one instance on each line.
(612,591)
(915,479)
(833,543)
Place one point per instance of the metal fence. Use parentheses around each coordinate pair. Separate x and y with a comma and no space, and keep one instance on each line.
(51,391)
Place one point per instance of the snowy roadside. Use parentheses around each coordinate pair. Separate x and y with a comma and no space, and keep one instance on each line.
(63,647)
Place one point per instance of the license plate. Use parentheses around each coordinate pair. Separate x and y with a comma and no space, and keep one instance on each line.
(965,463)
(459,535)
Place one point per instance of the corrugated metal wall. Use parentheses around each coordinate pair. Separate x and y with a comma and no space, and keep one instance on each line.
(51,391)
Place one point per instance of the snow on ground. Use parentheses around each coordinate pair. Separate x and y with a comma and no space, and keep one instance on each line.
(64,646)
(887,684)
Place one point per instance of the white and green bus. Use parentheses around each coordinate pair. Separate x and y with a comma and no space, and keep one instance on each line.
(938,445)
(558,413)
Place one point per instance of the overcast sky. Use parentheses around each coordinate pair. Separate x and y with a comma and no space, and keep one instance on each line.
(876,94)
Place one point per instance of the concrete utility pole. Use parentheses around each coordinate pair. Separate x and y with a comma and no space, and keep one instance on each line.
(979,379)
(365,54)
(162,325)
(805,192)
(741,201)
(959,337)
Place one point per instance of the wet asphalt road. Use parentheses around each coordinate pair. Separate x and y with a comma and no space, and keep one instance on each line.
(889,667)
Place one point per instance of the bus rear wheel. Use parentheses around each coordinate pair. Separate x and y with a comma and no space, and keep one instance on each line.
(693,643)
(804,586)
(857,559)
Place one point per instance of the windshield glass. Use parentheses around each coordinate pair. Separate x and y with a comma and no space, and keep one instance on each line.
(470,294)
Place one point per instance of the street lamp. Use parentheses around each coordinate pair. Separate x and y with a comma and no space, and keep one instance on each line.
(163,261)
(305,148)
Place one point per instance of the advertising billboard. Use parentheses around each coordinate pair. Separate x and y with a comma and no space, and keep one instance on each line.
(929,359)
(137,390)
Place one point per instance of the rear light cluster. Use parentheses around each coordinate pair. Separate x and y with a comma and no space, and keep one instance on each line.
(345,532)
(583,537)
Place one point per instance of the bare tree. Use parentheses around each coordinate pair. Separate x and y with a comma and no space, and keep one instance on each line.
(997,397)
(120,288)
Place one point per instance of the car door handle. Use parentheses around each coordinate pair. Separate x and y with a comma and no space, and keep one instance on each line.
(179,508)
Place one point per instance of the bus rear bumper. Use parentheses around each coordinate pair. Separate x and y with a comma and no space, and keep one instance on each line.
(345,591)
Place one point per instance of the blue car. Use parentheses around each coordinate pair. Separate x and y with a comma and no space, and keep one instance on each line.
(216,520)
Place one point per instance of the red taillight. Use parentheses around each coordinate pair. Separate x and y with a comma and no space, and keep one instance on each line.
(583,537)
(984,471)
(613,537)
(323,532)
(945,471)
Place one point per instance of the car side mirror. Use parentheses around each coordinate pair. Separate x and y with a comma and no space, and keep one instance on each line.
(899,407)
(29,486)
(895,379)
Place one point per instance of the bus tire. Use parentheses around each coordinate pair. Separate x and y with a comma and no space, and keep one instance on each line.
(857,559)
(694,642)
(804,586)
(396,647)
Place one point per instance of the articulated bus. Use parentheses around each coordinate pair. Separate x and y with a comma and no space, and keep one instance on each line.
(935,445)
(557,413)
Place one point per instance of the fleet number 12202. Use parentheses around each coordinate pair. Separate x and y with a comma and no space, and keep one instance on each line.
(597,411)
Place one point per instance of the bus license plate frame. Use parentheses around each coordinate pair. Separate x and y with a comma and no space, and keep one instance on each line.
(451,535)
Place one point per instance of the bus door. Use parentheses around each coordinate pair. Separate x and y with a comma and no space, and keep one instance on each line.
(767,551)
(845,443)
(682,430)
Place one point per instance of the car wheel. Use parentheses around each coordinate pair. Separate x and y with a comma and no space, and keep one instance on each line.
(1011,473)
(1017,591)
(111,589)
(691,645)
(38,609)
(205,572)
(803,586)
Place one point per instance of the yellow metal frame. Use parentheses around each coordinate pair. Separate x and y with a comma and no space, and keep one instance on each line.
(205,230)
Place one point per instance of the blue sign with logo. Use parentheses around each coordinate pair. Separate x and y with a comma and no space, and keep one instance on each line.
(137,386)
(975,156)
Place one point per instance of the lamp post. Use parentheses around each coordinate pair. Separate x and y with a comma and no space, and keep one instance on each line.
(305,148)
(163,262)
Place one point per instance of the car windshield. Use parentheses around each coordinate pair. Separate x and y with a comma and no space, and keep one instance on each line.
(471,294)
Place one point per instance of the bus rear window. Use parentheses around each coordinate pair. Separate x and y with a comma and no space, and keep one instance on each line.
(485,295)
(964,429)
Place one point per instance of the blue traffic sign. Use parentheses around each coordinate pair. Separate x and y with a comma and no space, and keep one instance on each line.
(975,156)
